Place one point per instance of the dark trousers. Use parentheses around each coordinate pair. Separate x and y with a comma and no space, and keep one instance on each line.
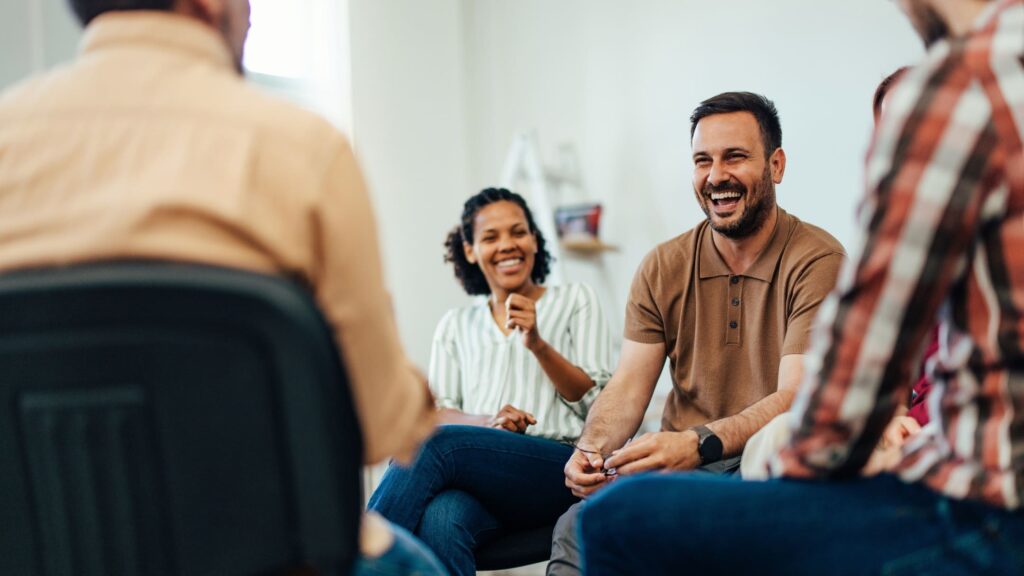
(703,524)
(566,559)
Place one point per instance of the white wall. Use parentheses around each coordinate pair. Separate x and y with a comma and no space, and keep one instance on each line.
(16,44)
(34,35)
(410,129)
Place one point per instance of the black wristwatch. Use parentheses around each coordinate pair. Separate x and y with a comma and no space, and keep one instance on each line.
(709,446)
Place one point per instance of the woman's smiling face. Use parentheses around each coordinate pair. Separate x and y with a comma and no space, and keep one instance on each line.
(503,246)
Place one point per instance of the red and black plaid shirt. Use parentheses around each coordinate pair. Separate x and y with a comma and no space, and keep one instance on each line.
(943,233)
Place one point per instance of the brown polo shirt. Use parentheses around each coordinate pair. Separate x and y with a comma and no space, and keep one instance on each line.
(724,334)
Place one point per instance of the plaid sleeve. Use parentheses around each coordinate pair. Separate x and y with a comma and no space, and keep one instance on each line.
(929,172)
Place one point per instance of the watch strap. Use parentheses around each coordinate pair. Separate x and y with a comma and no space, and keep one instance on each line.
(708,454)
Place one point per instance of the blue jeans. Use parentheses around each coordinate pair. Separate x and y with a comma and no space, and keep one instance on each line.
(470,484)
(405,557)
(701,524)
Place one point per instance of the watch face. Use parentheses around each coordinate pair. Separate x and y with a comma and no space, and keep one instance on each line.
(710,449)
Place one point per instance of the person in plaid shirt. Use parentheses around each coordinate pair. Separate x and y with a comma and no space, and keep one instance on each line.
(943,233)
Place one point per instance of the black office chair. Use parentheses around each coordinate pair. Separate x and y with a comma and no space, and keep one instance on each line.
(515,549)
(167,419)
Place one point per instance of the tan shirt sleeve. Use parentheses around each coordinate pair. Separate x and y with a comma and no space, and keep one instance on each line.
(394,404)
(810,290)
(644,323)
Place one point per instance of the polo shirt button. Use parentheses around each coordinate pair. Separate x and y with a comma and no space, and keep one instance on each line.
(735,301)
(735,279)
(733,324)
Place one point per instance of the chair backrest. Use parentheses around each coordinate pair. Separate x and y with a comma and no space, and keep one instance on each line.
(172,419)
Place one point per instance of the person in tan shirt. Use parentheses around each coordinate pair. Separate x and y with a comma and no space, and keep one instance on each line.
(151,145)
(729,303)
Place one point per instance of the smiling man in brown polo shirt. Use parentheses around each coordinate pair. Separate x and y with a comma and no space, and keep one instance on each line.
(729,303)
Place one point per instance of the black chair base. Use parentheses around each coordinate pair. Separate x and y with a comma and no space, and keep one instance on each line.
(516,549)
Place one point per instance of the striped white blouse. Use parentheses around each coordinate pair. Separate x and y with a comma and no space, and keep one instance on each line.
(477,369)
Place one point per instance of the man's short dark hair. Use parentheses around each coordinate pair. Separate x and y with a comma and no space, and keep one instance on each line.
(762,108)
(86,10)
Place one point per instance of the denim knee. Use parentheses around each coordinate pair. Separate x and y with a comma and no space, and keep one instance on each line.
(608,509)
(454,518)
(443,514)
(453,525)
(446,438)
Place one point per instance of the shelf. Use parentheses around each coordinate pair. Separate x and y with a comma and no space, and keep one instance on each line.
(587,246)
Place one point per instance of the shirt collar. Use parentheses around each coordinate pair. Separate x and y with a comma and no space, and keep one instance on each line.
(991,12)
(162,30)
(712,264)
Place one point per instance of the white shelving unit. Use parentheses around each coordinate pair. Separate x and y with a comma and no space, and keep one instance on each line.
(544,188)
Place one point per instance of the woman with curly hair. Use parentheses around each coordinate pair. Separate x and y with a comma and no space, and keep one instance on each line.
(514,375)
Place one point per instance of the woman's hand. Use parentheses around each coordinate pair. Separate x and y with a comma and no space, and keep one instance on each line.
(512,419)
(521,313)
(889,451)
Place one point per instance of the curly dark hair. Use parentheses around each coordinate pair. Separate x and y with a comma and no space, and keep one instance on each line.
(470,275)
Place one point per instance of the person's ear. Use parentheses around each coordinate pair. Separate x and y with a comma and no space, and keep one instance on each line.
(467,250)
(209,11)
(777,161)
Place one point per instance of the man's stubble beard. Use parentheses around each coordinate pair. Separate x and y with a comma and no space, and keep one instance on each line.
(759,205)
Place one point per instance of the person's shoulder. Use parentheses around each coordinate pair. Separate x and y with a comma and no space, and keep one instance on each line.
(281,121)
(24,88)
(811,252)
(998,32)
(574,287)
(684,241)
(26,93)
(999,36)
(945,62)
(455,318)
(212,95)
(674,254)
(577,291)
(811,240)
